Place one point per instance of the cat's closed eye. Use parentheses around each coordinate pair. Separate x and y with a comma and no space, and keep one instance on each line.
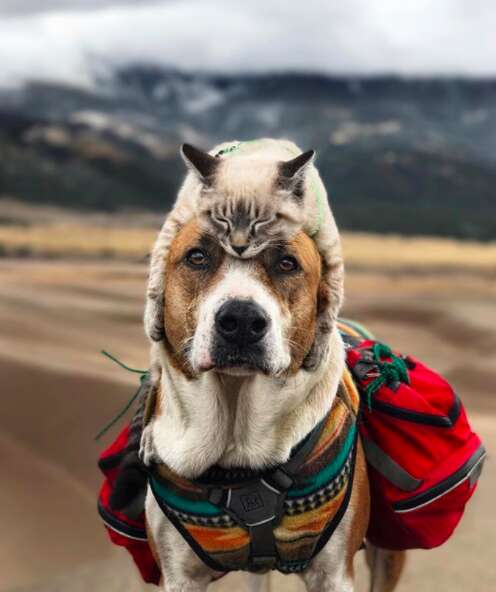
(223,222)
(258,225)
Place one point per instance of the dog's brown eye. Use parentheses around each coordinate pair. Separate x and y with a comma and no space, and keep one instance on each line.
(197,258)
(287,264)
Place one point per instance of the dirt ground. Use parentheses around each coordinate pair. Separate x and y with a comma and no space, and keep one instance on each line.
(57,391)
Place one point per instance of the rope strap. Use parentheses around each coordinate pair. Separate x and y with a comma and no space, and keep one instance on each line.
(144,375)
(389,372)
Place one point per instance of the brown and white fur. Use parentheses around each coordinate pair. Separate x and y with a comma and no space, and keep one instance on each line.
(262,193)
(248,405)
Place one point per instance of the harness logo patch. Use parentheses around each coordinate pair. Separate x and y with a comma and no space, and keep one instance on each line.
(252,501)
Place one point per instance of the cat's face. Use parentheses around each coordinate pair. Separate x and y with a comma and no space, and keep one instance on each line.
(246,227)
(249,205)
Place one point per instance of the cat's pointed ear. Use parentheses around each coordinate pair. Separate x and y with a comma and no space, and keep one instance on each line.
(291,169)
(201,163)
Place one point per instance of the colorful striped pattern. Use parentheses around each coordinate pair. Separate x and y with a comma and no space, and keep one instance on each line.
(310,505)
(354,329)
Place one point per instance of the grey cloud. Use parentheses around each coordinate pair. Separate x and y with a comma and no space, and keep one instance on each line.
(18,8)
(418,37)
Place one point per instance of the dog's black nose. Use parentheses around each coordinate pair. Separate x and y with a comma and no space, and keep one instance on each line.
(241,322)
(239,249)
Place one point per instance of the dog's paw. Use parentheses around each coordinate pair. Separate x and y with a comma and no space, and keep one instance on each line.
(154,318)
(147,451)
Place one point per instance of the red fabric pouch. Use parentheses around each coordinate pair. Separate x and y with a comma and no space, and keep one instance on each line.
(423,458)
(123,530)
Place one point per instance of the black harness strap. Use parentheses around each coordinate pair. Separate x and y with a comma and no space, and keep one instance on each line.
(258,506)
(263,552)
(331,527)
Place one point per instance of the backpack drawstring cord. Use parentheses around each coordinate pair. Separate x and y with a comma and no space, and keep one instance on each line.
(144,374)
(389,372)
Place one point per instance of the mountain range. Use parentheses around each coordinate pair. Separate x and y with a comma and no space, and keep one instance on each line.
(407,156)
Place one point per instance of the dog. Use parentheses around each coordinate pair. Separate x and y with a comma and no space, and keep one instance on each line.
(231,392)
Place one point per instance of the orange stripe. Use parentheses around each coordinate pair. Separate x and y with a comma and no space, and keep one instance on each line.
(337,417)
(219,539)
(311,522)
(326,441)
(348,330)
(351,389)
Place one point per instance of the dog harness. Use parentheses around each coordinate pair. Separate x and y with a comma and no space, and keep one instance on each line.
(235,519)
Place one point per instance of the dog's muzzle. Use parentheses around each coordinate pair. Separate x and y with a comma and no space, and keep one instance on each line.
(240,326)
(241,322)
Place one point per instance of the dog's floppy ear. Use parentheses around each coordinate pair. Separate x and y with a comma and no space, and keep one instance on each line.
(330,298)
(201,163)
(154,306)
(293,168)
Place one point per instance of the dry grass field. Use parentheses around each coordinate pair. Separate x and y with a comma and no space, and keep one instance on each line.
(88,241)
(50,232)
(83,291)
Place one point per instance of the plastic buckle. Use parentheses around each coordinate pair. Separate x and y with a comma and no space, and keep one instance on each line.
(215,496)
(254,504)
(281,479)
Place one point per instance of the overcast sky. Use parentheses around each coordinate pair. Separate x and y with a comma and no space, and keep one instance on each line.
(69,39)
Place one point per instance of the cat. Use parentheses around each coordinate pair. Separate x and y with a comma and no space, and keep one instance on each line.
(249,195)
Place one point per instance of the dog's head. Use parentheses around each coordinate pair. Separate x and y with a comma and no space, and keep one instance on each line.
(248,202)
(239,316)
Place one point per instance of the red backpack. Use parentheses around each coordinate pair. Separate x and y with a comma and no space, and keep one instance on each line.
(423,458)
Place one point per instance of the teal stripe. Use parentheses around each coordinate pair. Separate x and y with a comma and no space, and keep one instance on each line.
(205,508)
(359,328)
(327,474)
(195,507)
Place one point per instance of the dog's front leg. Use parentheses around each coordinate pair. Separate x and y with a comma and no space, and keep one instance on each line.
(331,573)
(182,570)
(332,569)
(183,586)
(327,582)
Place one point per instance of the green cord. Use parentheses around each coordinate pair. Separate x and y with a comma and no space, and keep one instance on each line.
(144,376)
(390,372)
(121,364)
(358,327)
